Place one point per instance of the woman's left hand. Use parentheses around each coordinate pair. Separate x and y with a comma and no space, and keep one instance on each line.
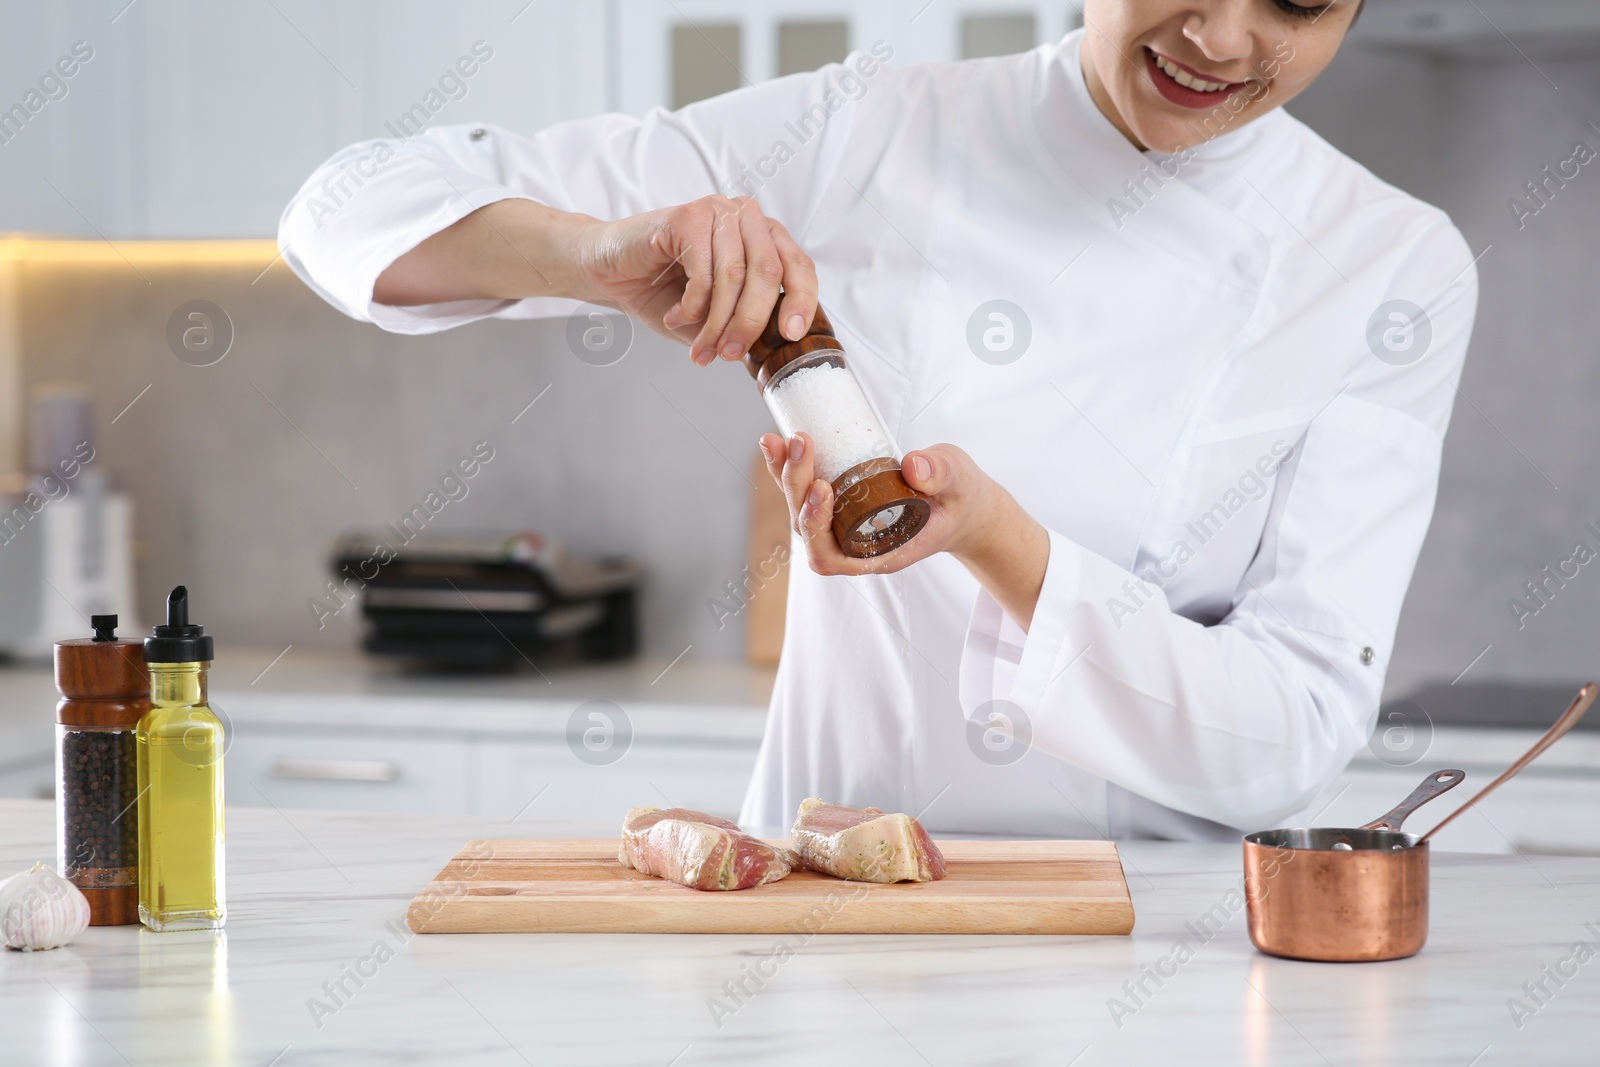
(973,518)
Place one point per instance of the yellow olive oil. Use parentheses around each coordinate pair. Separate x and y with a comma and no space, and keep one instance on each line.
(180,743)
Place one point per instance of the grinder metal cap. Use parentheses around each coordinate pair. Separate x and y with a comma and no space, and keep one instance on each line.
(178,640)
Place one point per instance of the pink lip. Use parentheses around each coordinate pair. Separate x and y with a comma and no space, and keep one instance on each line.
(1182,95)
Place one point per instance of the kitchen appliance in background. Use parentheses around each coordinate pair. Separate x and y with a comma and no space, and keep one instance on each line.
(66,532)
(487,601)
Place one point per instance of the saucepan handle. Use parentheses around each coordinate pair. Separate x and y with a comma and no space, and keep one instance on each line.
(1569,719)
(1436,783)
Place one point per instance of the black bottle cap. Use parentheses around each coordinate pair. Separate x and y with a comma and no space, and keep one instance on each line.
(105,627)
(177,641)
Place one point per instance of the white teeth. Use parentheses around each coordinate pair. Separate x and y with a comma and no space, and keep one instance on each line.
(1184,78)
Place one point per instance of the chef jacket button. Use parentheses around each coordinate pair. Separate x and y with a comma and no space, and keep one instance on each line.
(478,134)
(1367,655)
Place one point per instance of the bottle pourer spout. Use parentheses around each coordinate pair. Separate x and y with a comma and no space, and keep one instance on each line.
(178,607)
(177,640)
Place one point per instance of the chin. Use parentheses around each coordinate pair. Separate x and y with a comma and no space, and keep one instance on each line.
(1159,129)
(1166,138)
(1159,132)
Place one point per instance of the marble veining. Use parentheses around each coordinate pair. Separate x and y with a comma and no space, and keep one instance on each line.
(316,968)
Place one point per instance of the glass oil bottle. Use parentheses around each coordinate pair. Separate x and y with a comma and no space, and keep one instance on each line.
(179,744)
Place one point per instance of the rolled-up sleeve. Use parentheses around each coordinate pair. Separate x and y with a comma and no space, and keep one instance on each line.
(373,201)
(1244,721)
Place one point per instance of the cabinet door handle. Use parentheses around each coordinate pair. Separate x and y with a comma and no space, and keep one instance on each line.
(336,770)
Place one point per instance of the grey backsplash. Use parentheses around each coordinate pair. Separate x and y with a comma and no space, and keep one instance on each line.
(244,471)
(1518,483)
(240,504)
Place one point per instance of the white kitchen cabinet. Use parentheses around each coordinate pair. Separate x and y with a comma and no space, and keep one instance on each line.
(198,119)
(1542,810)
(246,99)
(370,771)
(915,32)
(519,766)
(491,775)
(544,780)
(499,758)
(338,734)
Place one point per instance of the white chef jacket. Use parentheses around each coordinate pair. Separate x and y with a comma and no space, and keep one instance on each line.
(1236,486)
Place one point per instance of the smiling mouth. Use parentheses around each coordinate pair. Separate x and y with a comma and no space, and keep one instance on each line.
(1183,86)
(1187,78)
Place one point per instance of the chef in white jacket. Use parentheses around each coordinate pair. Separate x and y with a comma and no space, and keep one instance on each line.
(1173,370)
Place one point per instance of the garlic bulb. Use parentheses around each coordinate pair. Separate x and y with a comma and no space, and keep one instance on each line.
(40,909)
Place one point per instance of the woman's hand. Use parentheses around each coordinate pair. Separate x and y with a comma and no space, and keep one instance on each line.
(706,273)
(973,518)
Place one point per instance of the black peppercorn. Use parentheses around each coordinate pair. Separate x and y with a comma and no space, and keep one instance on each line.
(100,825)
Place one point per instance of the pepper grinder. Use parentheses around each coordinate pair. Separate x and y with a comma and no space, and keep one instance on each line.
(808,387)
(105,690)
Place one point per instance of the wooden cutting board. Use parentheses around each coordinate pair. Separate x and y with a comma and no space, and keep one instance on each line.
(994,887)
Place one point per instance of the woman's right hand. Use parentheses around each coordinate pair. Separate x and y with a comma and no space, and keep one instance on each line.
(707,273)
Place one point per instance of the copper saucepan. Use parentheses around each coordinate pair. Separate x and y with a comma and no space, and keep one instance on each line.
(1359,894)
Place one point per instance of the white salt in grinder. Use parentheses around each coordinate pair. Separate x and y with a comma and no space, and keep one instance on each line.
(808,388)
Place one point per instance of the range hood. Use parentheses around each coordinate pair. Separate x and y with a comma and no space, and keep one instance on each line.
(1482,28)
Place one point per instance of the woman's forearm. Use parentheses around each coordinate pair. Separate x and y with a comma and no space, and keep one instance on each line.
(1008,555)
(508,250)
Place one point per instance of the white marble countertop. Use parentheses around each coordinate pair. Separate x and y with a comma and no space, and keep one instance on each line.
(312,894)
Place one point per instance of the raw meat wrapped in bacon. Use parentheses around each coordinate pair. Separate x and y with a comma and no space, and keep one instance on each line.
(698,850)
(864,844)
